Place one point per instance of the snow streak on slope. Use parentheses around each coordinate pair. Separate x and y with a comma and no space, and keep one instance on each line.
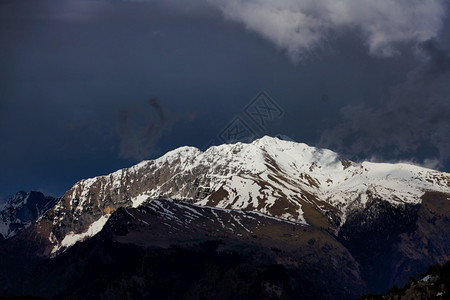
(177,220)
(72,238)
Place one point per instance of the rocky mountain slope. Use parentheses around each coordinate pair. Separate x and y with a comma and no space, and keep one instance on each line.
(391,218)
(280,178)
(21,210)
(170,249)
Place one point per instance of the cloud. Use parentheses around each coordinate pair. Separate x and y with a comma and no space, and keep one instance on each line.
(430,163)
(438,59)
(302,27)
(413,121)
(139,131)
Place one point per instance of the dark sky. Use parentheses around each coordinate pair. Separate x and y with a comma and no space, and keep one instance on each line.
(88,86)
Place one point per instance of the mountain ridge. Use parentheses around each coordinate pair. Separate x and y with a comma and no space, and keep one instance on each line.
(392,218)
(284,179)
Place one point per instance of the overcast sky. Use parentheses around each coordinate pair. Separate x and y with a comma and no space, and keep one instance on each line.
(89,86)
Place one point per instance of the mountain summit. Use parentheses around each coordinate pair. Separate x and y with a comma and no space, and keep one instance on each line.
(391,218)
(283,179)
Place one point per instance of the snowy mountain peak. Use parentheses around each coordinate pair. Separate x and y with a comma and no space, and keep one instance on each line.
(181,154)
(284,137)
(288,199)
(21,210)
(280,178)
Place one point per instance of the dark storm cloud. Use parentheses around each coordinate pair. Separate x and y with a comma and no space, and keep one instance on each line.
(302,27)
(439,59)
(414,122)
(139,136)
(67,67)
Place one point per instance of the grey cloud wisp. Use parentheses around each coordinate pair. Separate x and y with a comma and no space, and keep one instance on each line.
(140,131)
(301,27)
(415,117)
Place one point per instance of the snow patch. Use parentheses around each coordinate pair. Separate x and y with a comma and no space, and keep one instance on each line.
(71,238)
(138,200)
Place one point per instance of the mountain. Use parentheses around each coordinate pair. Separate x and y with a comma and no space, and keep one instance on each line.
(171,249)
(280,178)
(21,210)
(392,219)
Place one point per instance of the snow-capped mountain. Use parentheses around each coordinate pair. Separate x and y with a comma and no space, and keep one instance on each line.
(280,178)
(21,210)
(393,219)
